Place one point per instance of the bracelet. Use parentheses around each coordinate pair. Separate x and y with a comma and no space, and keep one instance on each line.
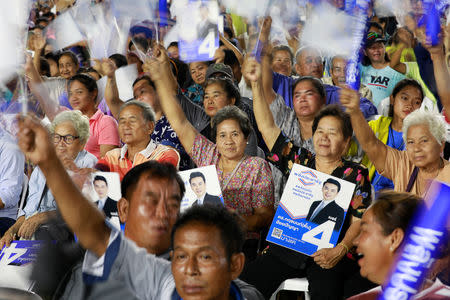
(345,247)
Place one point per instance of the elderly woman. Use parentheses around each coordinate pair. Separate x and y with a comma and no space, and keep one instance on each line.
(331,133)
(406,97)
(70,132)
(246,181)
(382,235)
(195,91)
(411,169)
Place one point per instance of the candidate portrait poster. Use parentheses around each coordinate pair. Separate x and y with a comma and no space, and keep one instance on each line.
(103,188)
(198,30)
(311,212)
(202,187)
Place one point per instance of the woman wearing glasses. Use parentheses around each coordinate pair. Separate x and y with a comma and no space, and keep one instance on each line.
(70,132)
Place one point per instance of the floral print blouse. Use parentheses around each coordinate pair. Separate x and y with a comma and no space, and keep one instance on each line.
(251,186)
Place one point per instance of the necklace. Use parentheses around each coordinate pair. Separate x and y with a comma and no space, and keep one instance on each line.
(394,142)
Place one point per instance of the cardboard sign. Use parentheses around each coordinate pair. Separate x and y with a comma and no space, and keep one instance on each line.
(202,186)
(104,186)
(198,31)
(20,253)
(311,212)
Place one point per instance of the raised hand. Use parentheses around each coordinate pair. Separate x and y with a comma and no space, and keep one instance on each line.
(251,70)
(34,140)
(350,100)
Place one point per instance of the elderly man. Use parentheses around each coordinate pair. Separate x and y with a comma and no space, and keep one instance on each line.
(11,180)
(338,71)
(136,124)
(113,258)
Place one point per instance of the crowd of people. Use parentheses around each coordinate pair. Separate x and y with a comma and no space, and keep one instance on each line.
(251,116)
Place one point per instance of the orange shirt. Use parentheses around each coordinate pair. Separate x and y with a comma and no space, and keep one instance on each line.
(116,160)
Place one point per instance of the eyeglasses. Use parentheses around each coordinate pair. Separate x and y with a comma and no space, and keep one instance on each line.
(68,139)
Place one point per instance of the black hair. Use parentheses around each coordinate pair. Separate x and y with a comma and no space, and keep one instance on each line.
(139,41)
(195,175)
(400,86)
(333,110)
(395,210)
(318,86)
(49,16)
(395,39)
(232,112)
(89,83)
(228,31)
(283,48)
(71,55)
(376,25)
(173,44)
(333,181)
(45,67)
(146,78)
(151,168)
(181,71)
(41,19)
(52,56)
(119,60)
(100,178)
(228,86)
(86,70)
(230,58)
(229,224)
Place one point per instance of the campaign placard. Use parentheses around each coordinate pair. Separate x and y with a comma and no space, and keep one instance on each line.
(198,31)
(103,188)
(311,212)
(20,253)
(202,187)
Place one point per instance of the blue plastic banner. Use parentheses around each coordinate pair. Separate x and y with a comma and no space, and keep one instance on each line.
(431,21)
(359,9)
(20,252)
(426,232)
(163,13)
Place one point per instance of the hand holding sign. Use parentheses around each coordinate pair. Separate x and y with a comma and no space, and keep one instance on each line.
(327,258)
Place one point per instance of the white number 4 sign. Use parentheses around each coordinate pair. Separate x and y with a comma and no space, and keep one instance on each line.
(324,241)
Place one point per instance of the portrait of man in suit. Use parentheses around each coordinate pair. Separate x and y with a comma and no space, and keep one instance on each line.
(198,185)
(106,204)
(327,209)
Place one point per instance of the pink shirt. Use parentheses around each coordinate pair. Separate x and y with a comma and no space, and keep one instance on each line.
(102,131)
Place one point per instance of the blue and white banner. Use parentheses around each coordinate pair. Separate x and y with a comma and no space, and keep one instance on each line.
(20,253)
(311,211)
(198,31)
(426,233)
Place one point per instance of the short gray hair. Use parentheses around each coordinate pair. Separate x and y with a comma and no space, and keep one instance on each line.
(305,48)
(434,121)
(147,111)
(78,120)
